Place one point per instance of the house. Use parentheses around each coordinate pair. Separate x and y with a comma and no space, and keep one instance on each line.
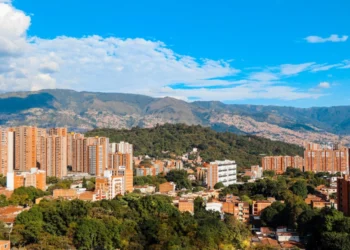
(287,236)
(5,245)
(186,205)
(258,206)
(167,187)
(8,214)
(214,206)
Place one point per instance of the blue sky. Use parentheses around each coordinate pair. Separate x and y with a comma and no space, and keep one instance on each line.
(279,52)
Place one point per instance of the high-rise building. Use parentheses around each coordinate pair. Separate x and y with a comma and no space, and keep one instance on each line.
(56,155)
(327,159)
(25,148)
(343,195)
(7,151)
(221,171)
(279,164)
(123,148)
(113,185)
(41,148)
(58,132)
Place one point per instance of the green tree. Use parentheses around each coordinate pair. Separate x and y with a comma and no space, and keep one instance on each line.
(299,188)
(180,178)
(269,173)
(219,185)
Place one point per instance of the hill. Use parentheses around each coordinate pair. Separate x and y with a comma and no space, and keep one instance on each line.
(82,111)
(181,138)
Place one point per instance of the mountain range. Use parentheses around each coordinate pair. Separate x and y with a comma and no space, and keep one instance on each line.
(82,111)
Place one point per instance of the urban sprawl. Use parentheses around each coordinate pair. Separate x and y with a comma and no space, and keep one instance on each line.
(30,156)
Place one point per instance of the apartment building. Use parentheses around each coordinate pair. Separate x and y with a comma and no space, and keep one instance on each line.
(279,164)
(7,150)
(35,178)
(116,160)
(123,148)
(327,159)
(113,185)
(343,195)
(258,206)
(239,209)
(145,171)
(221,171)
(56,156)
(25,148)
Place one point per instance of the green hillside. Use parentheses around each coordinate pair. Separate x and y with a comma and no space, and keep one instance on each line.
(180,138)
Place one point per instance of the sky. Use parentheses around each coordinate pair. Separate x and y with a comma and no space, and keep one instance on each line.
(275,52)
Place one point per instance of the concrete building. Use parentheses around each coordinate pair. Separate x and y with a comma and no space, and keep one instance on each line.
(258,206)
(112,185)
(239,209)
(343,195)
(326,159)
(214,206)
(221,171)
(5,245)
(56,156)
(25,148)
(186,205)
(279,164)
(167,187)
(35,178)
(7,151)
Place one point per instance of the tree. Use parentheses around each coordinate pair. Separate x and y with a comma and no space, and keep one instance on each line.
(269,173)
(180,177)
(299,188)
(2,180)
(219,185)
(3,201)
(84,184)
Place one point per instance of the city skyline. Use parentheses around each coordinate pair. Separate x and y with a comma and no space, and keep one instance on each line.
(276,53)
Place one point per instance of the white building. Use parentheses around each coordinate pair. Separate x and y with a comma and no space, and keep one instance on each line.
(214,206)
(222,171)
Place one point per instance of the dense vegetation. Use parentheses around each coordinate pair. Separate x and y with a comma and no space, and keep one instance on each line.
(323,229)
(129,222)
(180,138)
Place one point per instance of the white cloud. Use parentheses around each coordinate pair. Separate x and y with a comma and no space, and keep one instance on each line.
(324,85)
(263,76)
(137,65)
(346,64)
(332,38)
(325,67)
(13,27)
(292,69)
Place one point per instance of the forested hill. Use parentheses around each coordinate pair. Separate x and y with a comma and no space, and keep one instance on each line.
(180,138)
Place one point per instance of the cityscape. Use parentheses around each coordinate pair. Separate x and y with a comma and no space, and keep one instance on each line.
(174,125)
(68,166)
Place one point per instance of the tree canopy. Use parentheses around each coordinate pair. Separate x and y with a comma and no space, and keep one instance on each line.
(181,138)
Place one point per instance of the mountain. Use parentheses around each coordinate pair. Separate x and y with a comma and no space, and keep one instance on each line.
(82,111)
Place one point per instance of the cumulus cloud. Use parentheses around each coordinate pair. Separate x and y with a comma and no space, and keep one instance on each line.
(13,26)
(112,64)
(332,38)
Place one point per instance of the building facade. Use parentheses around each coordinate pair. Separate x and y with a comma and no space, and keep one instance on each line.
(279,164)
(343,195)
(221,171)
